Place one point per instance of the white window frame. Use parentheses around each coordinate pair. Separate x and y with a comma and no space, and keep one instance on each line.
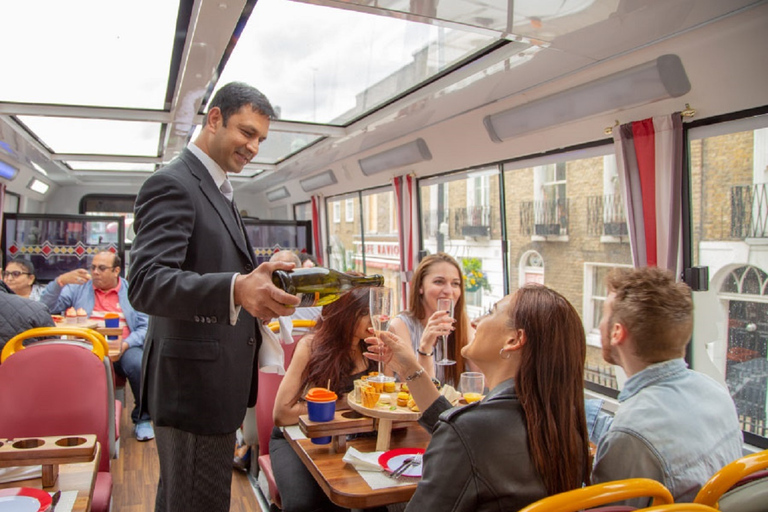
(349,210)
(524,270)
(588,306)
(336,211)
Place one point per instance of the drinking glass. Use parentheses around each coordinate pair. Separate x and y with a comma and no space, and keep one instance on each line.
(447,306)
(472,385)
(380,307)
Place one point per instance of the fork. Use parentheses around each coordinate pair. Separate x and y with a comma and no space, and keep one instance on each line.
(415,461)
(402,467)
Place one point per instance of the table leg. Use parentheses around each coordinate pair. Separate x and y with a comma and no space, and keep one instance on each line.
(340,443)
(50,474)
(385,433)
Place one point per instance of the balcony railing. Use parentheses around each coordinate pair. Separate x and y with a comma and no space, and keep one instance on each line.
(544,217)
(749,211)
(474,221)
(605,216)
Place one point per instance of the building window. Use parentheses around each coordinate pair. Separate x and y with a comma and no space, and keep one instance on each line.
(531,268)
(349,210)
(595,294)
(746,366)
(336,212)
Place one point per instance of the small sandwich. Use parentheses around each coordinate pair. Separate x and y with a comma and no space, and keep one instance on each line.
(369,396)
(402,399)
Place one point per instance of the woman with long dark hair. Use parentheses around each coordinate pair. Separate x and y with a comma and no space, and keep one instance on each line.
(332,352)
(438,276)
(527,438)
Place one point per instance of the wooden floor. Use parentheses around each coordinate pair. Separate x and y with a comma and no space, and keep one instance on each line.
(136,470)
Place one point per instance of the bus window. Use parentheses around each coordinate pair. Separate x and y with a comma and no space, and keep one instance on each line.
(729,189)
(460,215)
(567,229)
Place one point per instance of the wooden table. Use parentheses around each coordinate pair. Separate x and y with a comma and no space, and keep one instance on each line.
(342,483)
(115,346)
(80,477)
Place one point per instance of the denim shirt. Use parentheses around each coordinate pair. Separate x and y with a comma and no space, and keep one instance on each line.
(673,425)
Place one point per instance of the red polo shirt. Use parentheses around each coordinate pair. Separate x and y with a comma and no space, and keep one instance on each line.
(108,301)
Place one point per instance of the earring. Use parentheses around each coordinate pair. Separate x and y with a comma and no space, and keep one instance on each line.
(501,354)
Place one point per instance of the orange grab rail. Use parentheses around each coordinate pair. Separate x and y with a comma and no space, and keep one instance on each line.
(98,343)
(727,477)
(602,494)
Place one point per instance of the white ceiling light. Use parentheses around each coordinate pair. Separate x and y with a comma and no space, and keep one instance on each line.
(38,168)
(38,186)
(407,154)
(662,78)
(318,181)
(278,193)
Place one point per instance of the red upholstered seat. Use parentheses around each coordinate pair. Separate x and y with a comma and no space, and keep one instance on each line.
(57,388)
(265,403)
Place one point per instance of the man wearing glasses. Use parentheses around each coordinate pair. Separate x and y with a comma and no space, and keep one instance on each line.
(104,291)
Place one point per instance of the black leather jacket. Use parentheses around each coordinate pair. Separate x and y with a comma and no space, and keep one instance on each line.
(18,314)
(478,457)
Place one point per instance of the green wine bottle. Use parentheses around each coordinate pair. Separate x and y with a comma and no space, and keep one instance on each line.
(318,286)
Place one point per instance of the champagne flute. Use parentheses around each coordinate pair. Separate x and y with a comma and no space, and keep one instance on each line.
(472,385)
(447,306)
(380,307)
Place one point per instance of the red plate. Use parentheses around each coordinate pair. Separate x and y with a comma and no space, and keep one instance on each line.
(392,460)
(24,499)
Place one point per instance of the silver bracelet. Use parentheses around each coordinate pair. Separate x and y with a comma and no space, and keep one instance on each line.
(424,353)
(415,375)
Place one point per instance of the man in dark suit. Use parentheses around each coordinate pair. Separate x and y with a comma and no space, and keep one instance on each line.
(193,273)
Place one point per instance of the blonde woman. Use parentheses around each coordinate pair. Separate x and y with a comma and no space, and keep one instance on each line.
(438,276)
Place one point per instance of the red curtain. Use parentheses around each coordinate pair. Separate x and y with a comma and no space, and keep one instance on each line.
(317,240)
(408,229)
(649,158)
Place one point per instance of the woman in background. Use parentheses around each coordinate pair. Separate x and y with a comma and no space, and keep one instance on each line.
(438,276)
(332,352)
(19,275)
(527,438)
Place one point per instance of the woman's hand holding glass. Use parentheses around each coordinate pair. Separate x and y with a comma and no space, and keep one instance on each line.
(447,306)
(438,325)
(390,349)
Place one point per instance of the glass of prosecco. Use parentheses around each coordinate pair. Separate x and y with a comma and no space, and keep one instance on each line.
(380,307)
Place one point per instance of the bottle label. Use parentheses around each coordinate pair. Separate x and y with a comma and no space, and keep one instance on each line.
(308,299)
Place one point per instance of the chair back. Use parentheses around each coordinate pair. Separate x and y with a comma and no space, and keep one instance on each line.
(736,486)
(268,385)
(602,494)
(57,388)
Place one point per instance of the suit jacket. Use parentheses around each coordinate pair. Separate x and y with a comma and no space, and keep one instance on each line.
(199,372)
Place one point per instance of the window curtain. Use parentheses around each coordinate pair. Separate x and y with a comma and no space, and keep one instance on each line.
(649,157)
(317,241)
(408,230)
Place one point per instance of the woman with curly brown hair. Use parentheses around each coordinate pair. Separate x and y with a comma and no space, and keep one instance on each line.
(331,353)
